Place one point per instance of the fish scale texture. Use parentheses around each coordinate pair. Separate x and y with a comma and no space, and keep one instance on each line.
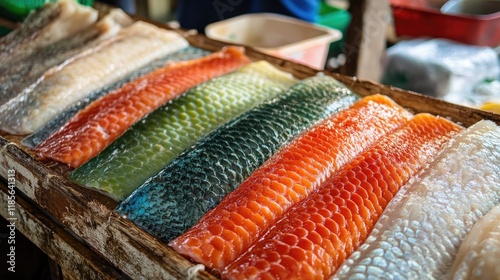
(104,120)
(418,235)
(133,47)
(31,26)
(479,253)
(51,23)
(34,139)
(314,237)
(157,139)
(30,70)
(195,182)
(284,180)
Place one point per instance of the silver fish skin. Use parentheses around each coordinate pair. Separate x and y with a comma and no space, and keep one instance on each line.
(418,235)
(34,139)
(53,22)
(29,71)
(479,254)
(136,46)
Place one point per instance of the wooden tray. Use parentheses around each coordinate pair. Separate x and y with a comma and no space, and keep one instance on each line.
(90,215)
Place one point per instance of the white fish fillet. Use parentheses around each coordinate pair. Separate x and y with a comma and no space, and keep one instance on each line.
(479,254)
(29,71)
(418,235)
(132,48)
(71,18)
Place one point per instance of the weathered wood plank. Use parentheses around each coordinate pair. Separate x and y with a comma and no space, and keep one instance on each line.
(127,247)
(365,42)
(78,260)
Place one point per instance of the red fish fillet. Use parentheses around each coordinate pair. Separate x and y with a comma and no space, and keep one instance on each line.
(104,120)
(227,231)
(313,238)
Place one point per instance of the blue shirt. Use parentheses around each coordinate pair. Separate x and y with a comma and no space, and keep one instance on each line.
(196,14)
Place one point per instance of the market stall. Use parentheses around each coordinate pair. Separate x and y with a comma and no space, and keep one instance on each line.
(79,227)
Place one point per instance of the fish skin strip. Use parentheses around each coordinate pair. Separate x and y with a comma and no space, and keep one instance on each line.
(104,120)
(314,237)
(138,45)
(34,139)
(157,139)
(218,163)
(31,70)
(479,253)
(287,178)
(421,229)
(51,23)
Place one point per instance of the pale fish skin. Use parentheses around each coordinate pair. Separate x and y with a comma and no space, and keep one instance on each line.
(479,255)
(34,139)
(134,47)
(51,24)
(419,234)
(31,70)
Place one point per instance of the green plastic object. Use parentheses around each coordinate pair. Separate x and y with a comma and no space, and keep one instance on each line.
(336,18)
(4,30)
(17,10)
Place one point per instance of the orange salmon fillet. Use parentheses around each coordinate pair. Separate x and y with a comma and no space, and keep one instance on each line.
(313,238)
(104,120)
(223,234)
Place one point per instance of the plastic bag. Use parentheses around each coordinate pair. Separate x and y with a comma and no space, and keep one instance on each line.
(441,68)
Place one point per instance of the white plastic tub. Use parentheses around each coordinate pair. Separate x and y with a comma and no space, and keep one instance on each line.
(277,35)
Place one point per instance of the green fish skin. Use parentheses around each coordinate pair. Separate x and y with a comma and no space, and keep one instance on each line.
(43,133)
(156,140)
(171,202)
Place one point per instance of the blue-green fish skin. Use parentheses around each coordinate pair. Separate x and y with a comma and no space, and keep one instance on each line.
(36,138)
(196,181)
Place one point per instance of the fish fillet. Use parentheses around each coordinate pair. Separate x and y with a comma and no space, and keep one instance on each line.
(34,139)
(419,234)
(220,162)
(314,237)
(105,119)
(53,22)
(137,45)
(29,71)
(479,254)
(156,140)
(286,179)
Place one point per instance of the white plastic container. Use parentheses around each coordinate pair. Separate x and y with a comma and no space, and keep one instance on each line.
(278,35)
